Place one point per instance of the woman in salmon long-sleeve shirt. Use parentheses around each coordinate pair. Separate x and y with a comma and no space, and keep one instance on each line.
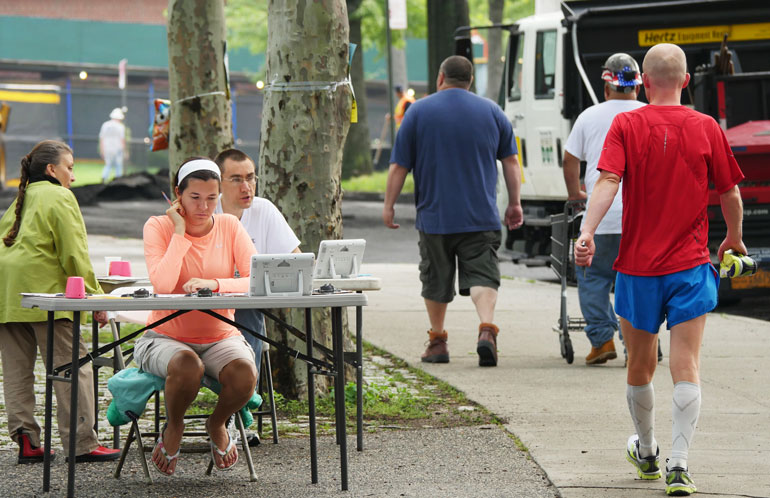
(188,249)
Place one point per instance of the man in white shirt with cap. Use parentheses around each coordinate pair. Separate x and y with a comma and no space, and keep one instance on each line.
(112,144)
(622,82)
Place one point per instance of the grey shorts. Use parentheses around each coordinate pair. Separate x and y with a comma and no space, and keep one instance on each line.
(153,351)
(473,255)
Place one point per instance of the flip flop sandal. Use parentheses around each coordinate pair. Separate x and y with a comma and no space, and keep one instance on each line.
(222,454)
(169,458)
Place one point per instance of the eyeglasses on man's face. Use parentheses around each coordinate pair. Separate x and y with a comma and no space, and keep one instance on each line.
(238,180)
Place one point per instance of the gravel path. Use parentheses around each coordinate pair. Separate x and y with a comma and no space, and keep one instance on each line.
(476,461)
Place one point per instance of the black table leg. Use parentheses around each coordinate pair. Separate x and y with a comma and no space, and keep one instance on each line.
(74,403)
(48,405)
(311,398)
(359,380)
(95,368)
(335,347)
(117,365)
(339,393)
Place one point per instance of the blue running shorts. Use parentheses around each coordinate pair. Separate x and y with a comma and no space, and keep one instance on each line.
(676,297)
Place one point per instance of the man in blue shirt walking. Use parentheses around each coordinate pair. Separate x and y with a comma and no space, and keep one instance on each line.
(450,141)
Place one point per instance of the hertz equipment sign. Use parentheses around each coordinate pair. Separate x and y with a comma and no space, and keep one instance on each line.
(704,34)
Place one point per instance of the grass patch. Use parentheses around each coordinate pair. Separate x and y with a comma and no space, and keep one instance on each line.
(89,171)
(375,183)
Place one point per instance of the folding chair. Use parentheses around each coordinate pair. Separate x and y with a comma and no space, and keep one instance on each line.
(265,387)
(135,434)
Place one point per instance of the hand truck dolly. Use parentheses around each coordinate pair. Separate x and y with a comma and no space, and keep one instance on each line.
(565,228)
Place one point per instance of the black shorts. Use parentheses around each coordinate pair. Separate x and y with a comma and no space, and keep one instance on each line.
(473,254)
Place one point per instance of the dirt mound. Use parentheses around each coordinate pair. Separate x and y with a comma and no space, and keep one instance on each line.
(136,186)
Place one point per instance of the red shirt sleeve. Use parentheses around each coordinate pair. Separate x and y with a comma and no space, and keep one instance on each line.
(724,171)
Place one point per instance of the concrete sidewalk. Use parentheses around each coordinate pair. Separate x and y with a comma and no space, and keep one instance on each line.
(573,418)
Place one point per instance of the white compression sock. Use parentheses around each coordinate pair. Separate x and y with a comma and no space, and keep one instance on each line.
(685,408)
(641,404)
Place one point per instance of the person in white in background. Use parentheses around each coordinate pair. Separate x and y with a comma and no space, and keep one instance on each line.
(267,227)
(112,144)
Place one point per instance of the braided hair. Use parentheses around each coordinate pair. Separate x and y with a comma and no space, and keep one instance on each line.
(33,166)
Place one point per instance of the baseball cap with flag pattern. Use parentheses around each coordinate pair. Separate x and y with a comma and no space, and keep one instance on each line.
(622,72)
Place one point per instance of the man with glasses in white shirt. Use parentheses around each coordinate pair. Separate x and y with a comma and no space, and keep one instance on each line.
(267,227)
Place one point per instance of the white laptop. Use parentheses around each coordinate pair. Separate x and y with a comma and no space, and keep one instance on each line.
(281,274)
(339,258)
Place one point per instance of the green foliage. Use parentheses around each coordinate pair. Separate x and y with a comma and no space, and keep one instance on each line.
(247,21)
(203,404)
(382,401)
(247,25)
(374,20)
(513,10)
(291,408)
(374,183)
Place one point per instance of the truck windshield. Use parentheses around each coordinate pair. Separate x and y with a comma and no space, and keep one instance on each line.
(515,64)
(545,64)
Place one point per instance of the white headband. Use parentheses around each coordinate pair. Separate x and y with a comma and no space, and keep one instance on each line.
(197,165)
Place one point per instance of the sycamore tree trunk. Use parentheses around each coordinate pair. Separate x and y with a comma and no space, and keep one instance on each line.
(305,118)
(200,123)
(444,16)
(495,43)
(357,157)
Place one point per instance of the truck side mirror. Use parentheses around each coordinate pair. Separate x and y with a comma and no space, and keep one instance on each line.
(464,47)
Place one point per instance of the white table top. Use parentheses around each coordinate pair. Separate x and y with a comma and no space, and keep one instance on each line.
(181,302)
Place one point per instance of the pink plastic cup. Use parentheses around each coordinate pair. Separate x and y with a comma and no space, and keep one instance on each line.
(120,268)
(76,288)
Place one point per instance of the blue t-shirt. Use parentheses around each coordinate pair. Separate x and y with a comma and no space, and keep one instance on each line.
(450,141)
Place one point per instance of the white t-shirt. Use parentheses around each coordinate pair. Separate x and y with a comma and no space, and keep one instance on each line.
(586,141)
(267,227)
(112,136)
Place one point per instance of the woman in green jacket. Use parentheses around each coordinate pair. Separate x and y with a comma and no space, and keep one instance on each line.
(44,243)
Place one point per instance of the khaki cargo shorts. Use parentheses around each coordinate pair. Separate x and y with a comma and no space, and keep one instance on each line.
(473,255)
(153,351)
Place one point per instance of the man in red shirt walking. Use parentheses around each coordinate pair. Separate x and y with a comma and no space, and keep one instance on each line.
(666,155)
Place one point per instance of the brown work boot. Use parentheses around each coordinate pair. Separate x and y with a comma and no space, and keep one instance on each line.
(437,350)
(486,346)
(600,355)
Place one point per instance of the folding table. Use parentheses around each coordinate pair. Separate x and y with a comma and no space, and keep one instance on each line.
(183,304)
